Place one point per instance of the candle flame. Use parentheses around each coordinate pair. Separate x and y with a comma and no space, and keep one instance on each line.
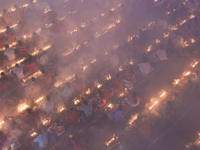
(133,119)
(22,107)
(108,77)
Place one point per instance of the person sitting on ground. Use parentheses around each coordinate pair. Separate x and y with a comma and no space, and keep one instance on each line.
(32,118)
(9,53)
(133,100)
(49,105)
(44,59)
(21,48)
(71,117)
(19,72)
(67,92)
(33,88)
(41,141)
(86,108)
(6,17)
(10,34)
(30,65)
(58,128)
(19,13)
(117,115)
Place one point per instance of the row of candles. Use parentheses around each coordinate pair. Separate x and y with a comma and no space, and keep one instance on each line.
(154,102)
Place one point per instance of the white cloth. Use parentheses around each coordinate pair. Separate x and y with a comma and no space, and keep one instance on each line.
(44,59)
(10,53)
(178,41)
(145,67)
(162,55)
(19,73)
(49,106)
(42,140)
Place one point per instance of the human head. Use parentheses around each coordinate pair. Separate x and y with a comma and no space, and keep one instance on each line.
(29,111)
(33,79)
(16,65)
(20,43)
(85,102)
(3,74)
(6,46)
(7,27)
(48,98)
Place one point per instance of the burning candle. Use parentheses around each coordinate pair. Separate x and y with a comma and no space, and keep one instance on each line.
(163,94)
(37,101)
(176,82)
(108,77)
(132,120)
(46,122)
(149,48)
(157,41)
(34,134)
(193,41)
(76,101)
(120,68)
(131,62)
(99,85)
(111,140)
(63,108)
(22,107)
(88,91)
(184,21)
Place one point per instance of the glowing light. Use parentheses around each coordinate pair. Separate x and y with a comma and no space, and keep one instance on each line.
(35,75)
(62,18)
(168,13)
(184,21)
(118,20)
(99,85)
(121,94)
(116,46)
(70,77)
(130,38)
(47,10)
(63,108)
(85,67)
(49,25)
(193,41)
(186,44)
(108,77)
(93,61)
(131,62)
(83,25)
(34,134)
(46,47)
(120,68)
(192,16)
(174,28)
(155,1)
(149,48)
(153,105)
(46,122)
(76,101)
(38,30)
(110,106)
(132,120)
(151,23)
(37,101)
(111,140)
(109,27)
(186,74)
(3,30)
(97,34)
(102,14)
(65,54)
(194,65)
(58,84)
(73,12)
(18,62)
(163,94)
(73,31)
(25,5)
(165,35)
(22,107)
(112,9)
(157,41)
(176,82)
(88,92)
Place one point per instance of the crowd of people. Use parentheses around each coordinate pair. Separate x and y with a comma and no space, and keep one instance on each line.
(31,64)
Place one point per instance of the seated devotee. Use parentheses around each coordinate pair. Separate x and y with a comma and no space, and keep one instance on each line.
(30,65)
(86,108)
(3,139)
(161,53)
(10,34)
(6,79)
(19,13)
(21,49)
(34,87)
(67,92)
(133,100)
(44,59)
(9,53)
(19,72)
(71,117)
(41,141)
(7,18)
(58,128)
(117,114)
(32,118)
(46,76)
(49,105)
